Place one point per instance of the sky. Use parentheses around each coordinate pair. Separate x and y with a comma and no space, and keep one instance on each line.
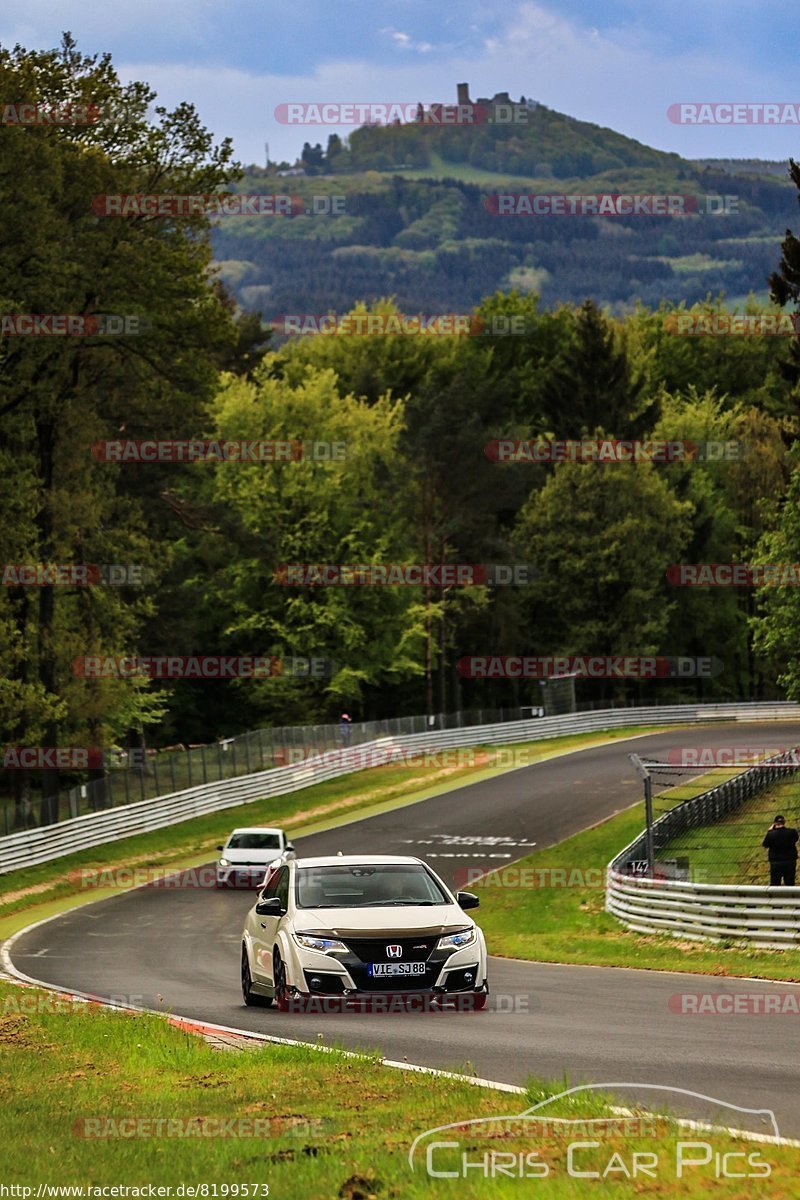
(618,63)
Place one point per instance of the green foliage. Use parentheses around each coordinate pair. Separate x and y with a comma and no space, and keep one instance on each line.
(602,538)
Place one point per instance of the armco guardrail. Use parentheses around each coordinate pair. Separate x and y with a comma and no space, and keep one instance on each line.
(34,846)
(765,917)
(759,915)
(148,775)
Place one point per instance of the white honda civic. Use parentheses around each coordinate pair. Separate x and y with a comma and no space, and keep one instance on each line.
(360,926)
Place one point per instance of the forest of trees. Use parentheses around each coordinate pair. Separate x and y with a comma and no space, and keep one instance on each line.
(435,245)
(414,412)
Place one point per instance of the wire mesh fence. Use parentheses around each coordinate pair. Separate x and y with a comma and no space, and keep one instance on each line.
(709,824)
(144,775)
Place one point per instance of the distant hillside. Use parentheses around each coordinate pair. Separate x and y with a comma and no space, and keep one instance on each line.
(744,166)
(418,225)
(512,138)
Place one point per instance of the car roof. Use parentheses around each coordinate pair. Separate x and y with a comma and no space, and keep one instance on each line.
(361,860)
(256,829)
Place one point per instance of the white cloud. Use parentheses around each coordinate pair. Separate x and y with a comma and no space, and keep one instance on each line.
(625,79)
(404,41)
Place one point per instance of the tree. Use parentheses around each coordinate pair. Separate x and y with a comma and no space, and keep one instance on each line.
(265,515)
(777,616)
(785,282)
(601,537)
(591,383)
(60,395)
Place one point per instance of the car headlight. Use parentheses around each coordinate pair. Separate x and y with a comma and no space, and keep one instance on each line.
(223,862)
(454,941)
(325,944)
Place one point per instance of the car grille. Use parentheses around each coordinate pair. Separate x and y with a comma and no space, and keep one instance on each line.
(362,951)
(373,950)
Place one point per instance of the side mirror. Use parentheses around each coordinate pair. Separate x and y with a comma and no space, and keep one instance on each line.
(289,847)
(220,847)
(467,900)
(269,908)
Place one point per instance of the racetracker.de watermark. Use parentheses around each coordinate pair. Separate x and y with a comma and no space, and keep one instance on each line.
(404,112)
(130,1128)
(531,878)
(441,758)
(42,114)
(404,574)
(81,325)
(149,450)
(27,1002)
(71,575)
(393,324)
(548,878)
(735,1004)
(589,666)
(127,1127)
(204,666)
(231,204)
(732,324)
(734,574)
(606,204)
(397,1003)
(192,879)
(741,112)
(732,756)
(610,450)
(58,758)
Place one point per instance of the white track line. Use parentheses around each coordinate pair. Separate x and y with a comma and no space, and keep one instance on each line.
(13,975)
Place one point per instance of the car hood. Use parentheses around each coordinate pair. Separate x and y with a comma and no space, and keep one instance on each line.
(261,857)
(370,922)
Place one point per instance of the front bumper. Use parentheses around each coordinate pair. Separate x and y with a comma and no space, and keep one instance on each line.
(438,973)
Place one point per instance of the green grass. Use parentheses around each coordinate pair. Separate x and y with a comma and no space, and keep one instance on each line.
(311,809)
(561,918)
(331,1126)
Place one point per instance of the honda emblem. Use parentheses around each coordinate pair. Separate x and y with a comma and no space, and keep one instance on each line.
(394,951)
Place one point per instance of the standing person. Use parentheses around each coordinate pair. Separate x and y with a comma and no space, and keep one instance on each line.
(344,728)
(781,844)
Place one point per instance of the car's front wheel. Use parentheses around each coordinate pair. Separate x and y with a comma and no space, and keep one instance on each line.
(252,999)
(280,982)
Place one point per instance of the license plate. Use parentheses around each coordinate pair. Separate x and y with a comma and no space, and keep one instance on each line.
(412,968)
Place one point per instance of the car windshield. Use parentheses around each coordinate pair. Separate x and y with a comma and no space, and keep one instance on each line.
(254,841)
(367,886)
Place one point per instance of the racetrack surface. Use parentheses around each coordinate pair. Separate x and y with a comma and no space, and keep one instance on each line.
(178,949)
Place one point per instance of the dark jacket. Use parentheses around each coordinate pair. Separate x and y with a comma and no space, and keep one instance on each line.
(781,844)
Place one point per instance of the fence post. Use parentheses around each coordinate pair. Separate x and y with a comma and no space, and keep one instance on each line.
(648,808)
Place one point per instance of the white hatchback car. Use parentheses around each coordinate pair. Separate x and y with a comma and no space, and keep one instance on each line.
(360,926)
(248,853)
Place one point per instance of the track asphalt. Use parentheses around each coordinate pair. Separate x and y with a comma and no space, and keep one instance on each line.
(178,949)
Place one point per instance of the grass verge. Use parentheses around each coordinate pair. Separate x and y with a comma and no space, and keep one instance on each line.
(44,890)
(550,907)
(86,1088)
(730,850)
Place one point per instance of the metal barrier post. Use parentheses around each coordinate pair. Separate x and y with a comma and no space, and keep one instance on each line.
(648,809)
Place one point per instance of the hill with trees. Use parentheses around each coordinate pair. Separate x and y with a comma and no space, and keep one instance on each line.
(419,222)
